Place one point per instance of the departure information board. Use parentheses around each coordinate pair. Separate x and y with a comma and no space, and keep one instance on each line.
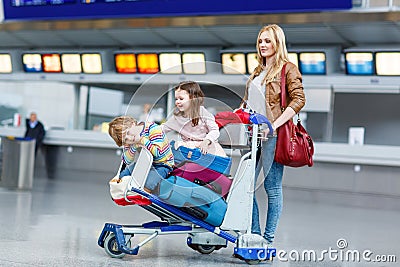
(100,9)
(17,3)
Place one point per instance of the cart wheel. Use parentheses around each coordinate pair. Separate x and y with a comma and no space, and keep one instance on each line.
(252,262)
(111,246)
(205,249)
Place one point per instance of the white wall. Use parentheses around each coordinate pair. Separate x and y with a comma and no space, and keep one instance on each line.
(52,101)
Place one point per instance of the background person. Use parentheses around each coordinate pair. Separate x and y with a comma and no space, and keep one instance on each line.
(146,115)
(35,130)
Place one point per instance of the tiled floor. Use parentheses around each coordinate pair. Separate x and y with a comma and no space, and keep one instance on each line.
(58,222)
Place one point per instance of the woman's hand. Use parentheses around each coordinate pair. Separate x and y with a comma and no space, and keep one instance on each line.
(265,132)
(204,146)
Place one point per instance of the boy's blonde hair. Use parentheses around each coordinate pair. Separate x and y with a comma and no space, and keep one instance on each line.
(118,126)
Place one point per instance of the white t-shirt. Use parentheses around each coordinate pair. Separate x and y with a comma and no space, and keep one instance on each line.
(256,94)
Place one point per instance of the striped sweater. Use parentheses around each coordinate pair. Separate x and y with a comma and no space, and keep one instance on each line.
(153,138)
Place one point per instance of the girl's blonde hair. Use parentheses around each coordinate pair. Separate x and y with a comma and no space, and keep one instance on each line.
(118,126)
(280,58)
(196,97)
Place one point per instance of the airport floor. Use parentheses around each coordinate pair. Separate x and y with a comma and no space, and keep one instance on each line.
(57,223)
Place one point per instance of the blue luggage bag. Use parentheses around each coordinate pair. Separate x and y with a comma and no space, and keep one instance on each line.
(194,199)
(211,161)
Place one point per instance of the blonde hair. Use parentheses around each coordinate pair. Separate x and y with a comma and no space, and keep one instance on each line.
(278,41)
(196,97)
(118,126)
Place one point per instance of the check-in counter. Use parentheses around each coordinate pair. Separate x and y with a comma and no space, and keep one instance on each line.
(74,153)
(347,175)
(367,175)
(80,153)
(338,167)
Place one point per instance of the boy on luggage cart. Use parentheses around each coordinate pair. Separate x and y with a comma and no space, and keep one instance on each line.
(130,134)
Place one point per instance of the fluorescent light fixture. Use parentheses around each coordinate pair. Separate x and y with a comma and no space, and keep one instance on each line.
(32,62)
(359,63)
(91,63)
(51,63)
(171,63)
(194,63)
(5,63)
(252,62)
(233,63)
(148,63)
(387,63)
(312,63)
(125,63)
(71,63)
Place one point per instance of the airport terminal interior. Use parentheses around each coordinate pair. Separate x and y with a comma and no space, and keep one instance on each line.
(79,64)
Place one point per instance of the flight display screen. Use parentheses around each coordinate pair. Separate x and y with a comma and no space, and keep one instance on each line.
(18,3)
(100,9)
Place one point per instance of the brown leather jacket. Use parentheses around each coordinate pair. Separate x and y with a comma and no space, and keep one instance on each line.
(295,97)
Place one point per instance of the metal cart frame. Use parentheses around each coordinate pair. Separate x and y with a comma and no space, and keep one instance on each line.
(203,237)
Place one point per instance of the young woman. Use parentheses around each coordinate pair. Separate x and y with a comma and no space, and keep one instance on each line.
(263,96)
(195,125)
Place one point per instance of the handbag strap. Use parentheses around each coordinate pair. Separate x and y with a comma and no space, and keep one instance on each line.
(283,87)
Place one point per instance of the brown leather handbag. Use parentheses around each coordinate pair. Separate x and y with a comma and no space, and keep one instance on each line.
(294,146)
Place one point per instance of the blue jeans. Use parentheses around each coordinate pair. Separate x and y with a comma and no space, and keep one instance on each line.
(156,173)
(273,173)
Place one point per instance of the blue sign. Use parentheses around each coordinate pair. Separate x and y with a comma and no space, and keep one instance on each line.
(365,68)
(314,68)
(100,9)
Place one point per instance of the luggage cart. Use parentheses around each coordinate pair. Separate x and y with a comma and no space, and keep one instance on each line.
(202,237)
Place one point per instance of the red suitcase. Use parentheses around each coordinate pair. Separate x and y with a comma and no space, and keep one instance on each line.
(201,175)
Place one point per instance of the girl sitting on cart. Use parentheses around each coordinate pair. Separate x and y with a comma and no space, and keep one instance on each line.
(130,134)
(196,126)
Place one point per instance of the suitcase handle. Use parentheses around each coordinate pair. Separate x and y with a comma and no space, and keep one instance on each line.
(194,211)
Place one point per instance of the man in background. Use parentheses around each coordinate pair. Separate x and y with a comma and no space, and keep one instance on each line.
(35,130)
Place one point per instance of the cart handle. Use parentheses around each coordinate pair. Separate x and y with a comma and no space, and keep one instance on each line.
(256,118)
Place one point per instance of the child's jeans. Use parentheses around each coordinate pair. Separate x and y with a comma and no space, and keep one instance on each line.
(156,173)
